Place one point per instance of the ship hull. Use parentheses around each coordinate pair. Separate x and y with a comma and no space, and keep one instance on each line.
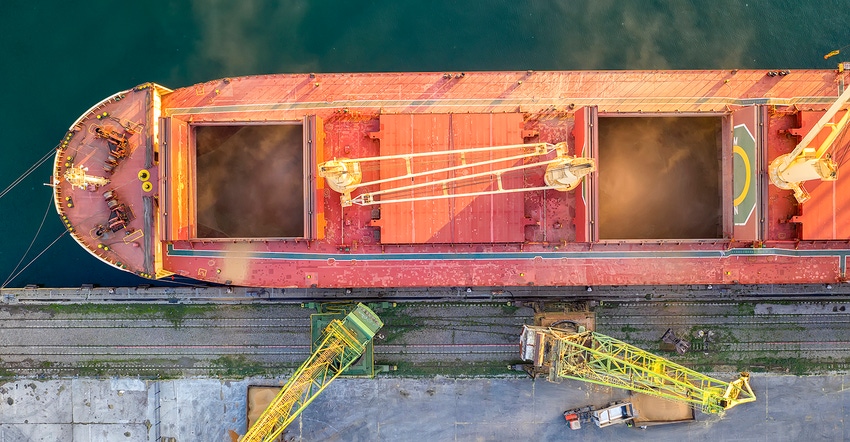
(221,181)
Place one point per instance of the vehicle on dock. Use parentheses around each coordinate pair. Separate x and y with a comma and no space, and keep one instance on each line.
(639,411)
(616,413)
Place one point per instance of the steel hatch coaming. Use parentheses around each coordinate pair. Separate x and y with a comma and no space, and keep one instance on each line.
(175,216)
(180,214)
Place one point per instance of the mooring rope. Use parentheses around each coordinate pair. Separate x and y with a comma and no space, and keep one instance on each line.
(46,211)
(27,173)
(12,278)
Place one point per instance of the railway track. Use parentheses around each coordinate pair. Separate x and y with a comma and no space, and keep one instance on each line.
(298,352)
(800,337)
(233,341)
(281,353)
(419,338)
(674,320)
(235,323)
(190,293)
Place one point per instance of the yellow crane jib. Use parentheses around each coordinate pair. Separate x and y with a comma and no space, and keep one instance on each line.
(463,169)
(341,344)
(593,357)
(807,162)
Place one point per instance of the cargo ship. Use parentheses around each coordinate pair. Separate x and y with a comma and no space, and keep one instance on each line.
(467,179)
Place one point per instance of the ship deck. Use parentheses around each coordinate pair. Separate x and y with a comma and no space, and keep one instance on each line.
(130,242)
(703,213)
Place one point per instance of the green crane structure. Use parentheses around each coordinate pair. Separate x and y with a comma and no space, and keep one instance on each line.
(341,343)
(594,357)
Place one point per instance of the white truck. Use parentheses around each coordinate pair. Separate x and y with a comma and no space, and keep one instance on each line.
(640,411)
(616,413)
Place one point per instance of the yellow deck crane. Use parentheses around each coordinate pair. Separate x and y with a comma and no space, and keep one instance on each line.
(340,344)
(808,162)
(593,357)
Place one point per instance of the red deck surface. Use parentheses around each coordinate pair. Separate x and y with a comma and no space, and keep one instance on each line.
(533,238)
(466,219)
(827,215)
(83,211)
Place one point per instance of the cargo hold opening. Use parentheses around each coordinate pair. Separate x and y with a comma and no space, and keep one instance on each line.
(250,180)
(660,178)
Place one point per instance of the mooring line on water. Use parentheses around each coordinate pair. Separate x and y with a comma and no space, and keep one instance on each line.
(12,278)
(27,173)
(43,218)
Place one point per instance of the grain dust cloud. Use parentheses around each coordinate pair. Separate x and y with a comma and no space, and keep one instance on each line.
(659,178)
(250,181)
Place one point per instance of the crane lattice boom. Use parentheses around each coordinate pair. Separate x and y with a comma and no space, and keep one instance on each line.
(594,357)
(342,343)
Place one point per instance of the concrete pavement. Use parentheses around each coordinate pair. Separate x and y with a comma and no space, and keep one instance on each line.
(789,408)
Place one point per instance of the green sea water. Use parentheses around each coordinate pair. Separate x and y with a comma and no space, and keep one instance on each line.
(59,58)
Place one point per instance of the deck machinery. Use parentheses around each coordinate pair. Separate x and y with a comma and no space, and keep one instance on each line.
(593,357)
(340,345)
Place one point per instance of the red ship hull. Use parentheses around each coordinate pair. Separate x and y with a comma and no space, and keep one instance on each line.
(681,194)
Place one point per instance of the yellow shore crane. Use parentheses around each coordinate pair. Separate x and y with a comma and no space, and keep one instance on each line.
(341,343)
(593,357)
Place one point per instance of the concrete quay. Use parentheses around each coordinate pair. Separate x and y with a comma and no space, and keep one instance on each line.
(789,408)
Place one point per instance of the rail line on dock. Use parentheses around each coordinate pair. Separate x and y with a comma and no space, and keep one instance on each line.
(230,340)
(187,295)
(774,335)
(427,337)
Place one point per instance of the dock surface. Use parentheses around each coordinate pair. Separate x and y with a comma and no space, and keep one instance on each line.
(87,410)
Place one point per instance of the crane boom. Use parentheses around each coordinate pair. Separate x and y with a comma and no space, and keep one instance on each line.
(341,343)
(462,168)
(593,357)
(806,162)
